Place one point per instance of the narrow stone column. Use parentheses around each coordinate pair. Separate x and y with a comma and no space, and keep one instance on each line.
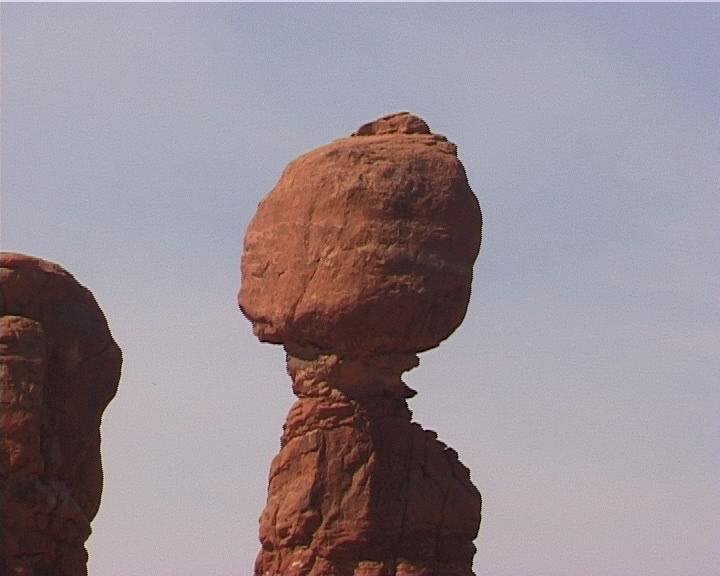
(59,368)
(359,258)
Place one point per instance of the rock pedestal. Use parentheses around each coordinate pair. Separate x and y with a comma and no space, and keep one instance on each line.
(59,368)
(359,258)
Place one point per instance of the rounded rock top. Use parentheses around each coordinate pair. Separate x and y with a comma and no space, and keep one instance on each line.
(398,123)
(366,245)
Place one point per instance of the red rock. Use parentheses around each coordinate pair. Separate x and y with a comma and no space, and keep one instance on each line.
(365,245)
(59,368)
(360,257)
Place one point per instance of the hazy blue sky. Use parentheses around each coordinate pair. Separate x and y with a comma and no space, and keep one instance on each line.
(582,389)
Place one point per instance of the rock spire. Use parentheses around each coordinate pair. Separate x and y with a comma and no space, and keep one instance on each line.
(358,259)
(59,368)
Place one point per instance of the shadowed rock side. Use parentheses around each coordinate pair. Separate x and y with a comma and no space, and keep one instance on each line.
(59,368)
(359,258)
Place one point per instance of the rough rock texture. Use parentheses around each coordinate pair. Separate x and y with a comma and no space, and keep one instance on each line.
(59,368)
(359,258)
(367,244)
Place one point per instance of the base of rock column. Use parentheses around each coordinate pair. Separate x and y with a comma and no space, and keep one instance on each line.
(360,490)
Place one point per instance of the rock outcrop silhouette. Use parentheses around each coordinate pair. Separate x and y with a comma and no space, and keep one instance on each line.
(59,368)
(357,260)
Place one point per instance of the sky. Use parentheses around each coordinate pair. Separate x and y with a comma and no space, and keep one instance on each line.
(582,388)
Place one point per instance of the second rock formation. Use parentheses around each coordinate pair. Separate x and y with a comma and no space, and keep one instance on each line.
(59,368)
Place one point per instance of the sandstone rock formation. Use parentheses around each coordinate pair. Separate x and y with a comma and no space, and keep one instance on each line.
(59,368)
(359,258)
(366,245)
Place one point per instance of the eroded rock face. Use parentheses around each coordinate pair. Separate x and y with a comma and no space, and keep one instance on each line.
(59,368)
(359,489)
(358,259)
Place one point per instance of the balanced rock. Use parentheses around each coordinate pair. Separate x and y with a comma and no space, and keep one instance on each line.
(365,245)
(359,258)
(59,368)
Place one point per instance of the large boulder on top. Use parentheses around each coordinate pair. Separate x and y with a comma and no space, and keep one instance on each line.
(365,246)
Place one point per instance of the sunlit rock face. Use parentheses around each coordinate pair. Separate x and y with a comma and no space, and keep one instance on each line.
(59,368)
(365,246)
(359,258)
